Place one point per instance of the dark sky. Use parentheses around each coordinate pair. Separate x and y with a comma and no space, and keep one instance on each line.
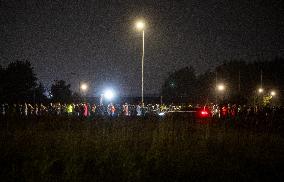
(97,40)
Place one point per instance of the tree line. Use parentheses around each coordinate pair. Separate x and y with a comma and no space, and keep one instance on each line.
(18,83)
(241,80)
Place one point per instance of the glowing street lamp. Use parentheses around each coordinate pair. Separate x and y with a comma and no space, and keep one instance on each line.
(109,95)
(221,87)
(273,93)
(84,87)
(260,90)
(140,25)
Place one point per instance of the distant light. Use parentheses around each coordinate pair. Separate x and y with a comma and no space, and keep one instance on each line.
(48,94)
(109,94)
(140,25)
(260,90)
(221,87)
(272,93)
(161,114)
(204,113)
(84,87)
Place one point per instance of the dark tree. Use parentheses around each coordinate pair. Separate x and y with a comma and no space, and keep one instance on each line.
(205,88)
(76,98)
(39,96)
(61,92)
(18,82)
(242,79)
(180,86)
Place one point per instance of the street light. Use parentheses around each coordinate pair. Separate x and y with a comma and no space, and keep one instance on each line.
(221,87)
(83,87)
(260,90)
(272,93)
(109,94)
(140,25)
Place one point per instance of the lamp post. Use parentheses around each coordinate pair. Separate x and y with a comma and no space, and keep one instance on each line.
(260,90)
(140,25)
(273,93)
(220,88)
(83,88)
(258,97)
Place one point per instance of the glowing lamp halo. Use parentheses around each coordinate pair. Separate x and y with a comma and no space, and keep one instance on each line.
(220,87)
(273,93)
(109,94)
(260,90)
(84,86)
(140,25)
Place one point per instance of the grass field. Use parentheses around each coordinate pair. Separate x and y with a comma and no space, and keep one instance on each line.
(136,149)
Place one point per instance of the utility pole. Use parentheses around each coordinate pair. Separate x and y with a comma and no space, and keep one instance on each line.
(239,81)
(216,86)
(261,78)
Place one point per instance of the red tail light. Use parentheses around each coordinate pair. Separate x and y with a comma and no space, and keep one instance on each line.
(204,113)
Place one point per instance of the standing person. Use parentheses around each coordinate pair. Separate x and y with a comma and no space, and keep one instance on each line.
(92,112)
(125,109)
(36,109)
(224,111)
(69,109)
(42,109)
(138,110)
(77,109)
(30,109)
(81,109)
(93,109)
(86,113)
(25,109)
(112,110)
(109,109)
(50,109)
(58,109)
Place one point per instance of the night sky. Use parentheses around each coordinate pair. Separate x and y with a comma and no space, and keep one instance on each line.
(95,41)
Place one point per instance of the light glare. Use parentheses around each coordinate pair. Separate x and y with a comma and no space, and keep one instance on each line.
(140,25)
(272,93)
(221,87)
(84,87)
(109,94)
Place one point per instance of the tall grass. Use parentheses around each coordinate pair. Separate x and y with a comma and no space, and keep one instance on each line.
(135,149)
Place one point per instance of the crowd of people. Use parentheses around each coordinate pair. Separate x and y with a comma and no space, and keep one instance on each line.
(78,109)
(271,118)
(115,110)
